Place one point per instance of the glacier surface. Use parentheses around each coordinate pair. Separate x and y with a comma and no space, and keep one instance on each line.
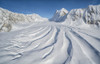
(67,38)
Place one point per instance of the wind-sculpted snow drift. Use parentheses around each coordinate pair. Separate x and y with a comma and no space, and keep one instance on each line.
(50,43)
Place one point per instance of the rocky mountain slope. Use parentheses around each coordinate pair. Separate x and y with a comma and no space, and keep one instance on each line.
(8,18)
(89,15)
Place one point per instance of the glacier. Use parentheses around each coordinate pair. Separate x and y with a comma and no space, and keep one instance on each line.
(69,37)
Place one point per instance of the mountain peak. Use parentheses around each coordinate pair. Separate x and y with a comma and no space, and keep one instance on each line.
(59,14)
(63,9)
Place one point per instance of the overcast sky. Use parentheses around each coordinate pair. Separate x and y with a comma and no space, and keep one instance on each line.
(44,8)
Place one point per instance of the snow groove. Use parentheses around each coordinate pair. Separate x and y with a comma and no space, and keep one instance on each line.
(49,43)
(69,50)
(88,49)
(91,36)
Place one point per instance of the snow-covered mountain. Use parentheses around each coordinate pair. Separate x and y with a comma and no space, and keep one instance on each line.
(59,14)
(75,17)
(89,15)
(8,18)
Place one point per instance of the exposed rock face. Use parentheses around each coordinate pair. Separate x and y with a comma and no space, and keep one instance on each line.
(92,14)
(6,27)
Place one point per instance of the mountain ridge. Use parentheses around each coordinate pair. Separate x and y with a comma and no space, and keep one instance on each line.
(8,18)
(89,15)
(75,17)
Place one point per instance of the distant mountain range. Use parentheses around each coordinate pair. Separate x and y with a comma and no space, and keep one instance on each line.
(75,17)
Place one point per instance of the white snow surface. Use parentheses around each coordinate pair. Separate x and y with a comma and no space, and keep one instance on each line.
(50,43)
(41,42)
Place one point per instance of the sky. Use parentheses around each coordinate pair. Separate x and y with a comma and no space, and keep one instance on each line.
(45,8)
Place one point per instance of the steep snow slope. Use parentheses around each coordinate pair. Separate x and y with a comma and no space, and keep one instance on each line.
(90,15)
(8,18)
(50,43)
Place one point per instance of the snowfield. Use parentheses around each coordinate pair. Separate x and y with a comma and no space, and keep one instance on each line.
(50,43)
(64,39)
